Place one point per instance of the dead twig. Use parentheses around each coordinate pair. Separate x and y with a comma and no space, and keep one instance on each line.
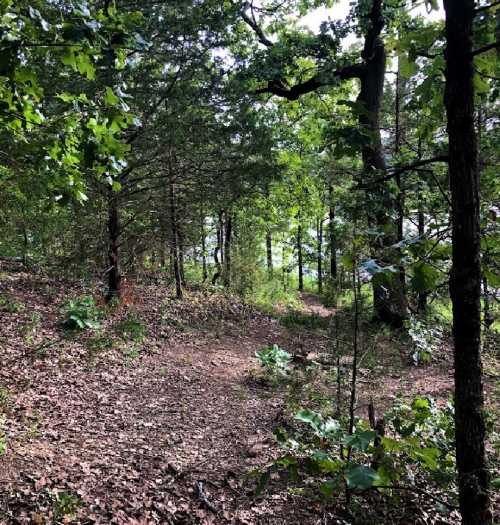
(203,498)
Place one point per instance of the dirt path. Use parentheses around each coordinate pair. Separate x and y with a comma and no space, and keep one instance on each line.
(131,439)
(164,435)
(314,306)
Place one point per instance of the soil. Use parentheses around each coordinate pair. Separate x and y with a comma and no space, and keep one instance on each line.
(166,430)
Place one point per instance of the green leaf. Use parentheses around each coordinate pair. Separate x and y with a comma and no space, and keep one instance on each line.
(427,456)
(360,439)
(492,278)
(329,488)
(424,277)
(65,96)
(110,99)
(361,477)
(310,417)
(262,483)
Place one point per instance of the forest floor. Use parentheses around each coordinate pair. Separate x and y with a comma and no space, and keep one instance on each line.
(101,429)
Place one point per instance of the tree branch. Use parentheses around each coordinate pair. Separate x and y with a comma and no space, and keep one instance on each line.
(256,28)
(494,45)
(398,170)
(277,87)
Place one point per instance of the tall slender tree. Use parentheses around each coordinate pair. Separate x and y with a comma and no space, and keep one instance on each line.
(465,285)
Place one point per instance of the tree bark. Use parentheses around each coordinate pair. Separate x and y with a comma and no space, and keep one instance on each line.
(269,254)
(422,296)
(332,240)
(174,241)
(227,250)
(180,237)
(217,250)
(300,256)
(389,299)
(320,255)
(399,134)
(221,236)
(114,277)
(204,250)
(465,282)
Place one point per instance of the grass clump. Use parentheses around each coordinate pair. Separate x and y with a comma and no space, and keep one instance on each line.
(10,305)
(299,320)
(82,313)
(131,329)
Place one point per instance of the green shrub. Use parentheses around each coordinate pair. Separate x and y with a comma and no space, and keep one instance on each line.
(274,359)
(270,294)
(424,339)
(295,319)
(131,328)
(11,305)
(66,505)
(418,441)
(82,313)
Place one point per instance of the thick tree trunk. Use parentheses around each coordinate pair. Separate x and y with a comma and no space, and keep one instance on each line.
(465,283)
(332,240)
(269,254)
(389,299)
(227,250)
(114,277)
(300,257)
(174,241)
(319,255)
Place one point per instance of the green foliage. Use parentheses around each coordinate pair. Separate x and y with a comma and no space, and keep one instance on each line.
(4,398)
(419,440)
(66,505)
(131,328)
(425,339)
(3,437)
(82,313)
(131,352)
(275,360)
(270,293)
(98,344)
(299,320)
(11,305)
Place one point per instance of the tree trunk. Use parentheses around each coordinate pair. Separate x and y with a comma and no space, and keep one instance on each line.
(269,254)
(174,241)
(332,240)
(221,236)
(180,237)
(299,255)
(422,296)
(389,299)
(227,250)
(320,255)
(465,282)
(204,250)
(114,277)
(399,134)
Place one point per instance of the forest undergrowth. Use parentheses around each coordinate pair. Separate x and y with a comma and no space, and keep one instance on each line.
(209,410)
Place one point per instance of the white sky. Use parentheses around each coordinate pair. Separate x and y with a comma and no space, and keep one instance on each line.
(341,9)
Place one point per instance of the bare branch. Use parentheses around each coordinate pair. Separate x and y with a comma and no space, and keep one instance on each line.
(489,47)
(277,87)
(257,29)
(398,170)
